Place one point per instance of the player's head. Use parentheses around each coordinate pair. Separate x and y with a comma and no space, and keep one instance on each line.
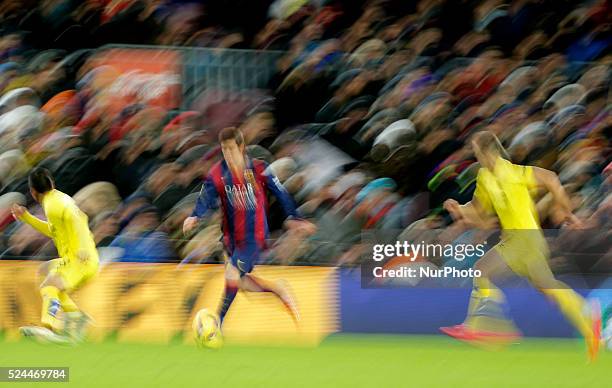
(40,181)
(232,146)
(487,148)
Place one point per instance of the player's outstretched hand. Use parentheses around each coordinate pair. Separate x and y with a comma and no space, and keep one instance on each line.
(301,226)
(189,224)
(18,211)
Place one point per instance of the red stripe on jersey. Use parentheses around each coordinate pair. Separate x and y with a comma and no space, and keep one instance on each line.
(261,212)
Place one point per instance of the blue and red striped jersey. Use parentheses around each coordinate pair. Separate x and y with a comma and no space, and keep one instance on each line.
(243,202)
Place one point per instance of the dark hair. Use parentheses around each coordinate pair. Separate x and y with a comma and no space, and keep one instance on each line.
(40,179)
(231,133)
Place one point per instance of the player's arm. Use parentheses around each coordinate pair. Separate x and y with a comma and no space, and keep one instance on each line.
(207,200)
(478,212)
(22,214)
(294,218)
(550,181)
(472,213)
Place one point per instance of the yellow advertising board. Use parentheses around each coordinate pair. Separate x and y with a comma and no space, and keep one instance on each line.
(157,302)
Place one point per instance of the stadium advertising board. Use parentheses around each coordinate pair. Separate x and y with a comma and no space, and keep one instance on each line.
(157,303)
(149,75)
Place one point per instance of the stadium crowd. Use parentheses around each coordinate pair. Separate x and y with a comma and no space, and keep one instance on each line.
(366,121)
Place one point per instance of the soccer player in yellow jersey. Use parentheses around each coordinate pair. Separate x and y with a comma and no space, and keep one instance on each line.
(504,195)
(67,225)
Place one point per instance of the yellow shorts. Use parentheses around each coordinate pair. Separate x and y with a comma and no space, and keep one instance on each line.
(73,272)
(526,253)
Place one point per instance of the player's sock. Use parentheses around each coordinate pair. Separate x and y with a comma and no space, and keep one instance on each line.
(50,306)
(231,289)
(486,289)
(71,311)
(68,305)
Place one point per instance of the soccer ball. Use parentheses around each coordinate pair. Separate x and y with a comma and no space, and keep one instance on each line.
(206,329)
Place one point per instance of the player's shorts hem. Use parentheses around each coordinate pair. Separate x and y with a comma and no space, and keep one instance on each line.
(74,275)
(244,266)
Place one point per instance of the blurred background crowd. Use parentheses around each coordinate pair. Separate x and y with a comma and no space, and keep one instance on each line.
(366,119)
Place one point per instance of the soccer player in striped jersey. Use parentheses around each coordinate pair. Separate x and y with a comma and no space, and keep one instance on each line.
(239,186)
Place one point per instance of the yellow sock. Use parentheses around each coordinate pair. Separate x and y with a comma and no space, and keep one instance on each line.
(67,303)
(486,289)
(572,306)
(50,306)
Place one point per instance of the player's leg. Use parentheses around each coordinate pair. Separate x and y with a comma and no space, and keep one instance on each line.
(487,316)
(70,275)
(490,265)
(603,294)
(48,267)
(76,321)
(66,301)
(573,306)
(530,252)
(232,283)
(241,262)
(280,289)
(607,327)
(488,312)
(50,289)
(60,278)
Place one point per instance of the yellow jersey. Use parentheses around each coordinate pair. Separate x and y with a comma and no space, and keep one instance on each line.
(66,224)
(506,192)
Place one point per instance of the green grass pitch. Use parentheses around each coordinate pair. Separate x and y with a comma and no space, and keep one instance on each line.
(341,361)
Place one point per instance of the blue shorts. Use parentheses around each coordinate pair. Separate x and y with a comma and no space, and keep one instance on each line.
(245,259)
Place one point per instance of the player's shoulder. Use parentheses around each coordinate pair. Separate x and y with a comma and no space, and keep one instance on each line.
(60,198)
(56,202)
(485,178)
(259,165)
(482,174)
(216,169)
(514,165)
(520,170)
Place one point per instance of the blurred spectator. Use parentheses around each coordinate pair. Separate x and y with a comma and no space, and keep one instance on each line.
(186,177)
(141,240)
